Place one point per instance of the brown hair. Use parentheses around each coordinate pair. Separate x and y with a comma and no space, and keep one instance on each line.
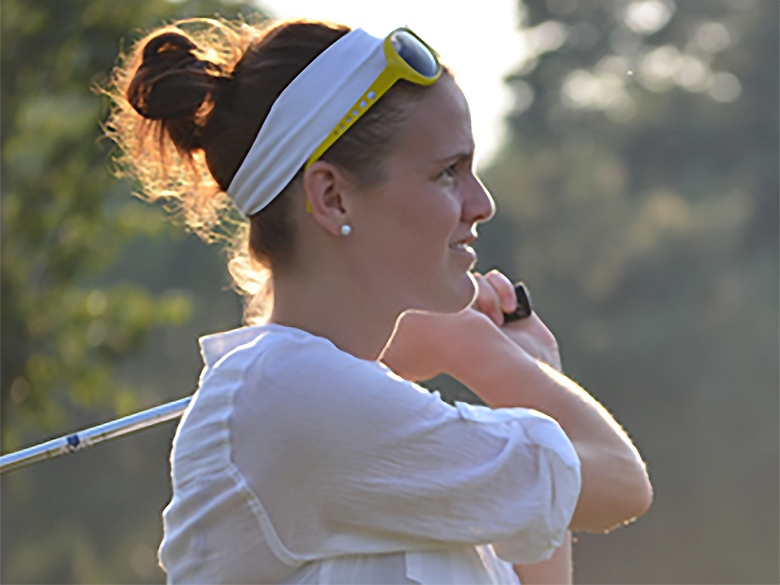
(187,105)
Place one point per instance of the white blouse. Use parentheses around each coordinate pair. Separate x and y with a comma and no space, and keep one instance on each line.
(299,463)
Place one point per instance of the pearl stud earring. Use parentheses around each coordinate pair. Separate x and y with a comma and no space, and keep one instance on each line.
(346,230)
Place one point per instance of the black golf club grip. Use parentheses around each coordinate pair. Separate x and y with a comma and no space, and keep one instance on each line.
(524,307)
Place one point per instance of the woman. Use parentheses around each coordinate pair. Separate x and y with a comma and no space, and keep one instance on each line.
(308,454)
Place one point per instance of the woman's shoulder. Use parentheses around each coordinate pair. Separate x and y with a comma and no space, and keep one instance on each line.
(287,358)
(241,347)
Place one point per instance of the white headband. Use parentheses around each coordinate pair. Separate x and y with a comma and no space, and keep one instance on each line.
(303,115)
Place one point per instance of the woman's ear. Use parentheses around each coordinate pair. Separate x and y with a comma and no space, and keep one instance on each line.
(325,188)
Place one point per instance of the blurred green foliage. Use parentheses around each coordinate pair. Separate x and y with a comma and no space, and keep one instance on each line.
(74,304)
(65,218)
(638,198)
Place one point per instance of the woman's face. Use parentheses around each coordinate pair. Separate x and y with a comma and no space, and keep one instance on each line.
(410,229)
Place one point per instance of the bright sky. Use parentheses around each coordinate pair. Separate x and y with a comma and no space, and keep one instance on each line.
(481,47)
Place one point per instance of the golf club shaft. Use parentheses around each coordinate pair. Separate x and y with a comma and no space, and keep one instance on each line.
(92,436)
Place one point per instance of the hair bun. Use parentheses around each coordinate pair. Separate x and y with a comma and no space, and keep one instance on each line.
(171,46)
(171,82)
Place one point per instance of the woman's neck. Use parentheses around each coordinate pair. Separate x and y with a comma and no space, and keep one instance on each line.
(354,320)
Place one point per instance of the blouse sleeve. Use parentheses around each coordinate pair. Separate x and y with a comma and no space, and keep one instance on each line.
(348,458)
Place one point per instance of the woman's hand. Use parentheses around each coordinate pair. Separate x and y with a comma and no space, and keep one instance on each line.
(424,344)
(495,296)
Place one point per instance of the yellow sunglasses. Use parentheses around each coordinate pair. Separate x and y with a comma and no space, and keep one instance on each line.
(408,57)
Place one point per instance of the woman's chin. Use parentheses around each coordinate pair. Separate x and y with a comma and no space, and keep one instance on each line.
(459,296)
(450,299)
(469,292)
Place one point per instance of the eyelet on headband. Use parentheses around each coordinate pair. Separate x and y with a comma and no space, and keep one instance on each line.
(408,57)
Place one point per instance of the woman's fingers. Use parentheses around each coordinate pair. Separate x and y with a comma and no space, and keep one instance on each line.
(486,301)
(492,298)
(505,290)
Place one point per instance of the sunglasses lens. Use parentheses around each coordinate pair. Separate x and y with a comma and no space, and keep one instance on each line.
(414,53)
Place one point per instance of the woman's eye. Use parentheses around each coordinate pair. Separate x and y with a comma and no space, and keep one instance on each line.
(450,171)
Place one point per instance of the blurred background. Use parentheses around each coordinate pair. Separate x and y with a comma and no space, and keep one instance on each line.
(636,179)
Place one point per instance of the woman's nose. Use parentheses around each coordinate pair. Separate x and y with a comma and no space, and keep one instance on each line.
(478,205)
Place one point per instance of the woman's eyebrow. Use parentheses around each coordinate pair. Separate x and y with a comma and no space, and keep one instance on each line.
(459,156)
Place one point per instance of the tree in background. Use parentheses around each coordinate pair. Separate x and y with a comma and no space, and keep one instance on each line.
(638,197)
(71,315)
